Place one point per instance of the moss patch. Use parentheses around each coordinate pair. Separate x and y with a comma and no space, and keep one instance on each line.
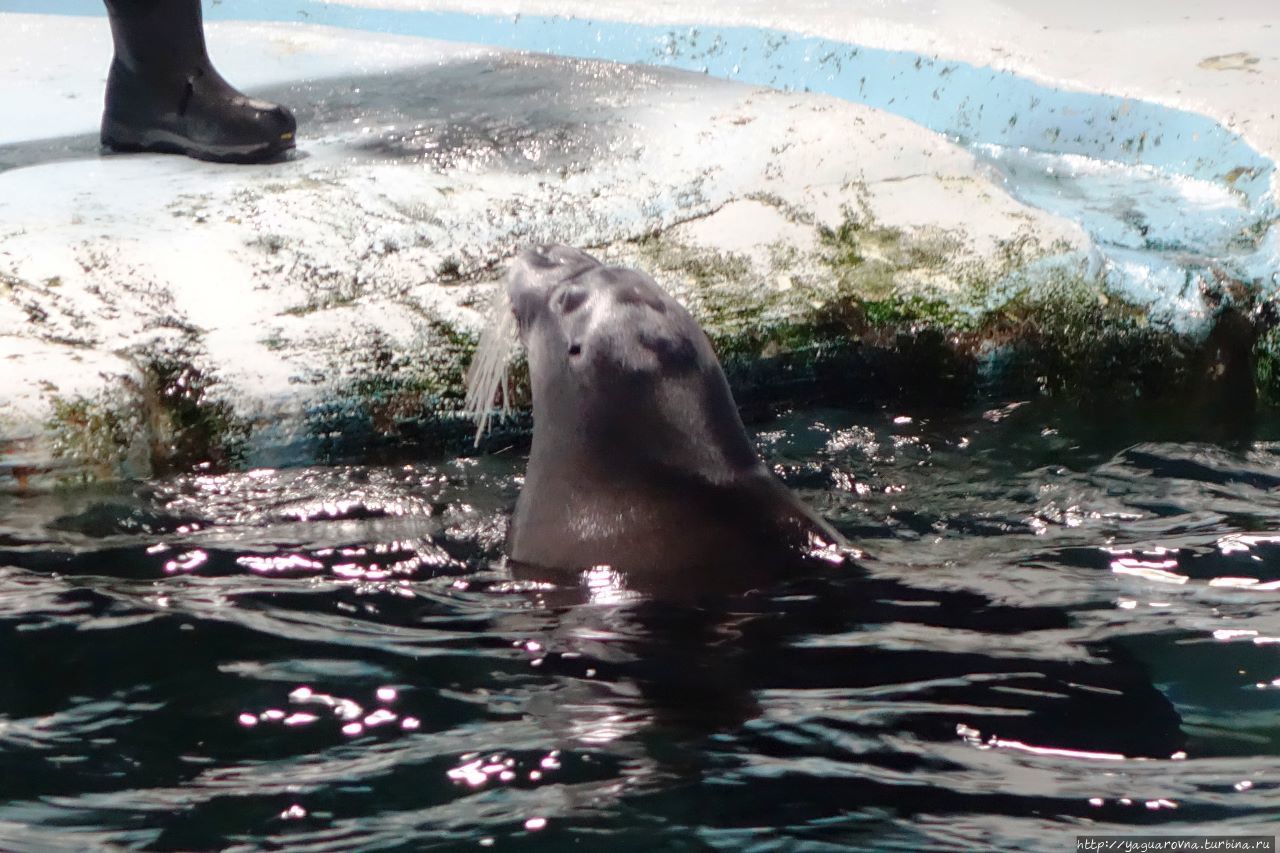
(865,260)
(163,420)
(96,436)
(189,427)
(1069,338)
(875,313)
(1266,353)
(394,396)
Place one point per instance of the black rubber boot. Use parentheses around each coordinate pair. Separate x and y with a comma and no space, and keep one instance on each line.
(163,93)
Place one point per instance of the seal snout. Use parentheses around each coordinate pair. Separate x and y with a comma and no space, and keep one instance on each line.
(553,254)
(553,263)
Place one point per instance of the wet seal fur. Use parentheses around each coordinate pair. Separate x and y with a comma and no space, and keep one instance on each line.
(639,461)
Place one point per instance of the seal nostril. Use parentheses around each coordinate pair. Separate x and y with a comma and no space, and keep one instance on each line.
(575,349)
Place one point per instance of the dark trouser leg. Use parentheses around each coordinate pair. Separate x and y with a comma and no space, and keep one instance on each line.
(163,94)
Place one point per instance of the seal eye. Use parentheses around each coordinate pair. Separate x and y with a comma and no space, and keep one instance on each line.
(569,300)
(575,349)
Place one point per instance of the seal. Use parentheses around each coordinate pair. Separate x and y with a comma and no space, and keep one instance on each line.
(639,460)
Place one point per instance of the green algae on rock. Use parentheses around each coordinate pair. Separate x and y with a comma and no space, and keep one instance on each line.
(166,419)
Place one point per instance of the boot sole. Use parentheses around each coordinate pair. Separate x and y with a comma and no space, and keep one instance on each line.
(121,139)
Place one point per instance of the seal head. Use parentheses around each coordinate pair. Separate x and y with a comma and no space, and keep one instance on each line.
(639,460)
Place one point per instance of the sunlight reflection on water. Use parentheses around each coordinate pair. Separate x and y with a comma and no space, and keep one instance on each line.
(1045,623)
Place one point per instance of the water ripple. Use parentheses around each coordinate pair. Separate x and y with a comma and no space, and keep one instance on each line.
(1056,629)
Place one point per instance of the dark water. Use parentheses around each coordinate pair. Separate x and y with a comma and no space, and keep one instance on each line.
(1043,641)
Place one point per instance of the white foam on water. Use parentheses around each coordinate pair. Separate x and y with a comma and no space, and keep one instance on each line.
(487,374)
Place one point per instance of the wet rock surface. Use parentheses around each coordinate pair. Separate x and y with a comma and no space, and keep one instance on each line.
(157,313)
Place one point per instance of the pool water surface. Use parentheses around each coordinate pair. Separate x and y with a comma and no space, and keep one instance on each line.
(1061,625)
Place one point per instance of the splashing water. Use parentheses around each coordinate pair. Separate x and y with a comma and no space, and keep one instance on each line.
(487,374)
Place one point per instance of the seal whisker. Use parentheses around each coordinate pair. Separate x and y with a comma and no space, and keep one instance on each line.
(487,373)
